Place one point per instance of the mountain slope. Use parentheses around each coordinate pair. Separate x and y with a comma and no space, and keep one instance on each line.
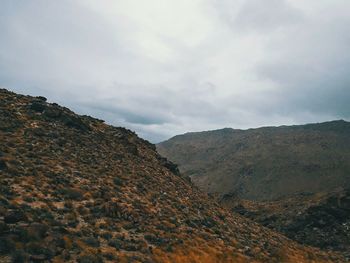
(266,163)
(74,189)
(320,220)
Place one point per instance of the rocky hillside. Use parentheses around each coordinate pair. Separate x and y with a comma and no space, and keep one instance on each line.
(266,163)
(321,220)
(74,189)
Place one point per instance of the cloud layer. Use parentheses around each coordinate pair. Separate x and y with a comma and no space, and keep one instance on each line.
(164,67)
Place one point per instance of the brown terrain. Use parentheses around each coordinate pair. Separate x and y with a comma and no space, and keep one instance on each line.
(265,163)
(292,179)
(321,220)
(74,189)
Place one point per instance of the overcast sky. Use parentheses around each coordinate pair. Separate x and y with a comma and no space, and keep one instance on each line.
(165,67)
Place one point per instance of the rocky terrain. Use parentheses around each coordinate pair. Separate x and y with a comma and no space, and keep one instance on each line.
(74,189)
(321,220)
(265,163)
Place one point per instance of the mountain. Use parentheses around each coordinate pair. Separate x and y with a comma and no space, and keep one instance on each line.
(74,189)
(265,163)
(292,179)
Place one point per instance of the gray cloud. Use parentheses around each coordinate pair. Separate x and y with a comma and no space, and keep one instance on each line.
(260,16)
(312,74)
(165,67)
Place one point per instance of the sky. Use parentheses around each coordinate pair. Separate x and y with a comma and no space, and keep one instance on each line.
(166,67)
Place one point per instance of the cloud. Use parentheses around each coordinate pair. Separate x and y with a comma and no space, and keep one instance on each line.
(164,67)
(261,17)
(312,72)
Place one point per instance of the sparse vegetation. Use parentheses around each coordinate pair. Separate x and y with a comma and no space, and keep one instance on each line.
(61,201)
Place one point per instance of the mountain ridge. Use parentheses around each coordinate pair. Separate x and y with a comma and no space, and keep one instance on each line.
(227,160)
(229,129)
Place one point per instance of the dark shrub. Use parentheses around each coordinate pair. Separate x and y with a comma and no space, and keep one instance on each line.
(156,240)
(117,181)
(37,230)
(6,245)
(38,106)
(3,228)
(106,235)
(74,122)
(37,248)
(91,241)
(19,256)
(68,204)
(3,164)
(71,193)
(41,98)
(115,243)
(89,258)
(109,256)
(14,216)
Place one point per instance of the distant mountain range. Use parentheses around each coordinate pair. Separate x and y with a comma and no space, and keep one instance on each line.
(73,189)
(293,179)
(266,163)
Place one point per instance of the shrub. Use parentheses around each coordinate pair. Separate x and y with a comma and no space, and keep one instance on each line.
(91,241)
(38,248)
(156,240)
(6,245)
(115,243)
(72,193)
(89,258)
(3,228)
(109,256)
(14,217)
(19,256)
(117,181)
(106,235)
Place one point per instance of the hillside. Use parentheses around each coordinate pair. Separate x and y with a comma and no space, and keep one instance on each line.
(290,179)
(265,163)
(74,189)
(320,220)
